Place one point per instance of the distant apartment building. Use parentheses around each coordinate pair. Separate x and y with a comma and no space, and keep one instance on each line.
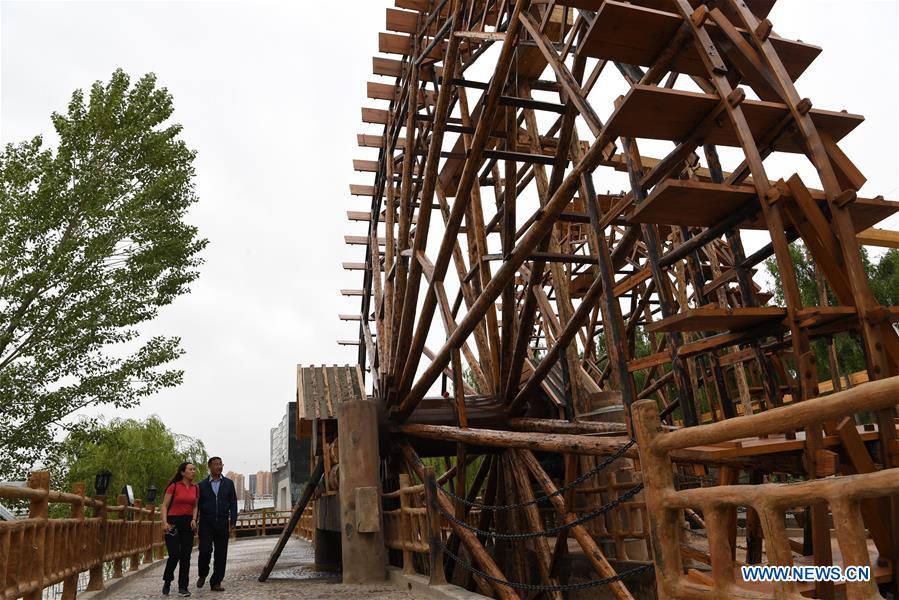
(252,484)
(239,484)
(290,460)
(263,483)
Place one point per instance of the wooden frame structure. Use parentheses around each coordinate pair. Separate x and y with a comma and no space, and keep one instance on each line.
(492,125)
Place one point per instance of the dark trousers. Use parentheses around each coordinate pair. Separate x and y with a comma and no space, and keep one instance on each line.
(213,532)
(179,541)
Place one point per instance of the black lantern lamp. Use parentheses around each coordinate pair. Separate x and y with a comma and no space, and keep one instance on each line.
(151,493)
(101,483)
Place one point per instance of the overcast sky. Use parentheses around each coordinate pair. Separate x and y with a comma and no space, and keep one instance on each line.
(269,96)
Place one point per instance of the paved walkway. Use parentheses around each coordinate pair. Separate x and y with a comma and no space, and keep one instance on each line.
(293,577)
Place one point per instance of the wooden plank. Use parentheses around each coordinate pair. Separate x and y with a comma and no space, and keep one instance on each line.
(666,114)
(884,238)
(715,318)
(301,397)
(362,190)
(381,91)
(387,67)
(402,21)
(395,43)
(692,203)
(704,204)
(366,140)
(365,166)
(761,8)
(376,116)
(653,360)
(637,35)
(354,266)
(361,240)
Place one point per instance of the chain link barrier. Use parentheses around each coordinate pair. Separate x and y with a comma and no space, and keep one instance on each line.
(519,535)
(532,587)
(575,482)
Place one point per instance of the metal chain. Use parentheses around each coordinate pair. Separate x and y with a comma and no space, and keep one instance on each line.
(546,588)
(499,507)
(520,535)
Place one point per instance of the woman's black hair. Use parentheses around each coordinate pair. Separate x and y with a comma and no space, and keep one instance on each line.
(179,474)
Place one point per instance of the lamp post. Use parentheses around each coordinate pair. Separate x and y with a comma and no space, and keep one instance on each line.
(150,500)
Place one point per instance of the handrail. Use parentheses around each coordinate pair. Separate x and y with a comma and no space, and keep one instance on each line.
(842,495)
(871,396)
(41,551)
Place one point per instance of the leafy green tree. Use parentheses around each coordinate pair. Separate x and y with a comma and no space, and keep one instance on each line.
(92,243)
(137,453)
(883,277)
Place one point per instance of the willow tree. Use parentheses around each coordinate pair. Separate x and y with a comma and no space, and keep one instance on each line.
(93,241)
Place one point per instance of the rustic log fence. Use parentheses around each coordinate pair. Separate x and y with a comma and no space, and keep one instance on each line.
(845,496)
(406,527)
(306,527)
(39,551)
(268,522)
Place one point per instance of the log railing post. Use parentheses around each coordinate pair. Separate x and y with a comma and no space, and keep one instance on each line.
(437,576)
(95,583)
(39,509)
(74,551)
(137,537)
(665,529)
(119,531)
(150,555)
(405,525)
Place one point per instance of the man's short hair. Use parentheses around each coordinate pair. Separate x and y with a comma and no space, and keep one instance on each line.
(209,462)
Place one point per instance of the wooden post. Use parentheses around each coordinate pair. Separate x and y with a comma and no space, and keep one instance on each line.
(262,532)
(406,525)
(665,524)
(117,564)
(39,509)
(150,555)
(137,536)
(74,549)
(95,583)
(362,535)
(437,577)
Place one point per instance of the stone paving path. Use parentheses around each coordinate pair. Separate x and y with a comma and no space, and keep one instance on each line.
(293,577)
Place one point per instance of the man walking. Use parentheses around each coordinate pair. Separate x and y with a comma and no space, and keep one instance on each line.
(218,516)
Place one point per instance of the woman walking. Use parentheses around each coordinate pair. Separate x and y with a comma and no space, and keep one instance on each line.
(179,521)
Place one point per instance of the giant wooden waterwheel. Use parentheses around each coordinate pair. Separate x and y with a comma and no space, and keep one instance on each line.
(514,311)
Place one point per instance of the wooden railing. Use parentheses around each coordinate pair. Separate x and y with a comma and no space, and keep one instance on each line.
(39,551)
(844,495)
(406,527)
(266,523)
(306,526)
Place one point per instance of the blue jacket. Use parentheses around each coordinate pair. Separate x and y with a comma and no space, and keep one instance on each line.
(221,508)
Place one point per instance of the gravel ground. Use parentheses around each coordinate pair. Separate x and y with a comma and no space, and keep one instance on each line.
(293,577)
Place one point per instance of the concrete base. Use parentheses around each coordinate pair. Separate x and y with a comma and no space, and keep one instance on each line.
(418,586)
(114,584)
